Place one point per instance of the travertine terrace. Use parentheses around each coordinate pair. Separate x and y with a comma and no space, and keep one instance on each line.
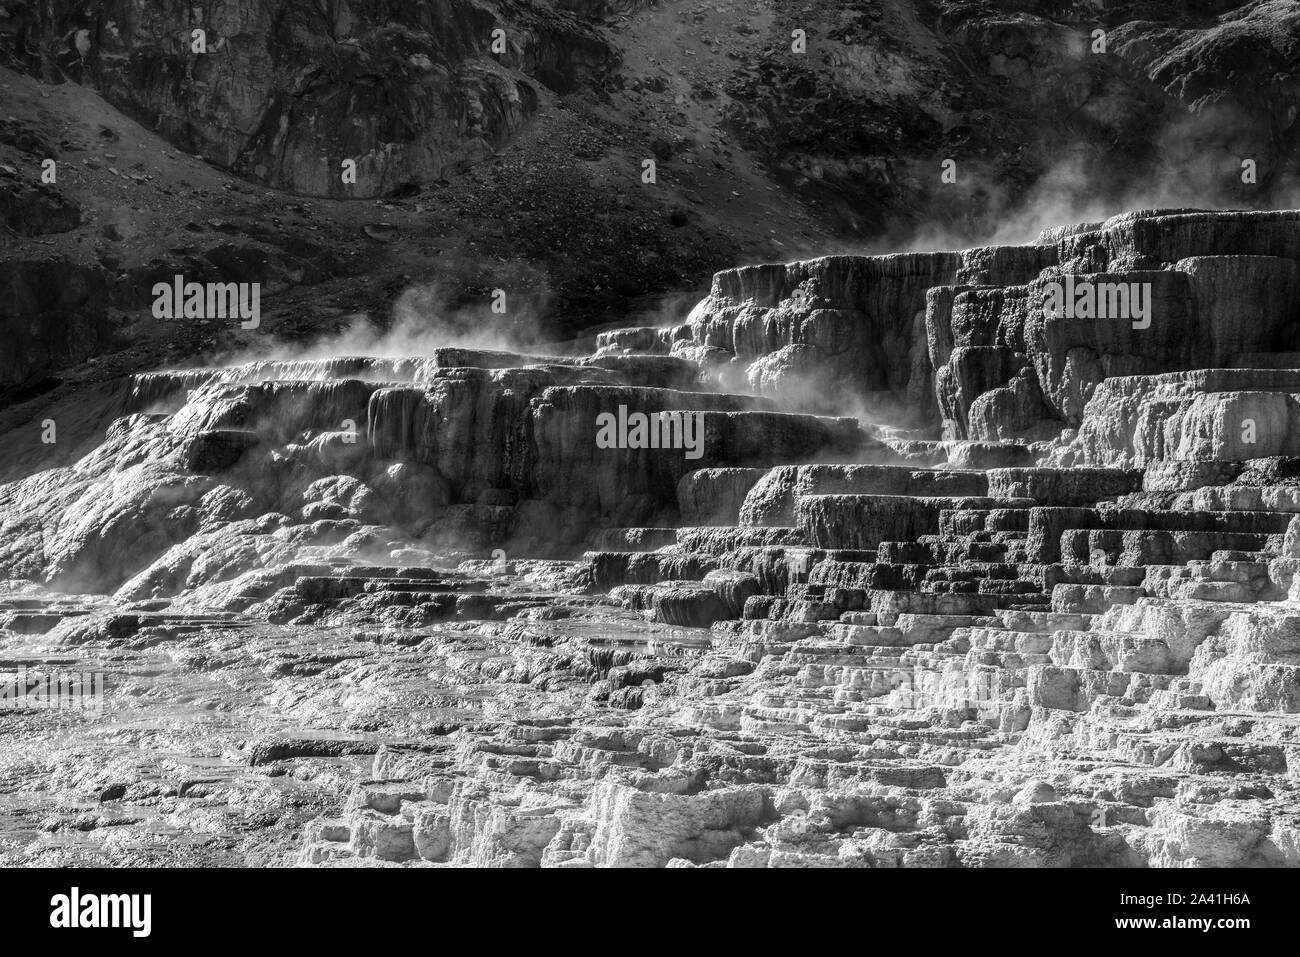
(957,581)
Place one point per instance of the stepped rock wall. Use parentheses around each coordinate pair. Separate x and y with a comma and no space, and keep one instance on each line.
(965,340)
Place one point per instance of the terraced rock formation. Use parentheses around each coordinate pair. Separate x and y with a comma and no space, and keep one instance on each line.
(956,581)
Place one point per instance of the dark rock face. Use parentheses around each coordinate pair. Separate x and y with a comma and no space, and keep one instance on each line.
(216,450)
(34,209)
(56,311)
(406,90)
(862,130)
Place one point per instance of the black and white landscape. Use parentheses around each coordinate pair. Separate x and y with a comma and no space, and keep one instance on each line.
(594,433)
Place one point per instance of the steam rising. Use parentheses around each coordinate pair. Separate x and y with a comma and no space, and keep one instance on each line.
(1193,162)
(426,316)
